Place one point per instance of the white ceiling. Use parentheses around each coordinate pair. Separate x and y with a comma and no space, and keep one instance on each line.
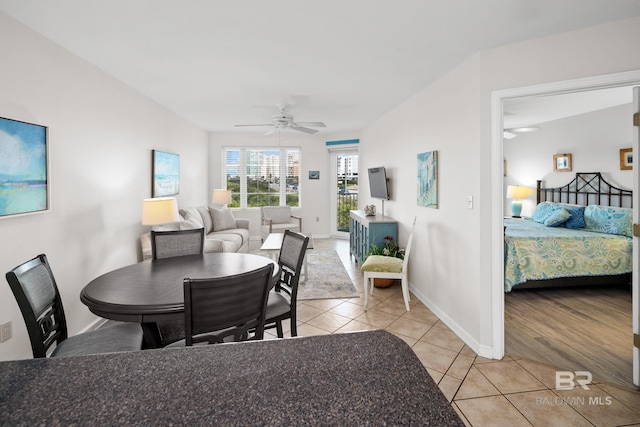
(343,62)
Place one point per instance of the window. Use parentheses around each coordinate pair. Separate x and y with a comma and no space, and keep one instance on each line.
(262,176)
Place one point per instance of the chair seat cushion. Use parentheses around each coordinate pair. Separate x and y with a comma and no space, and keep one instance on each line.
(382,264)
(277,305)
(122,337)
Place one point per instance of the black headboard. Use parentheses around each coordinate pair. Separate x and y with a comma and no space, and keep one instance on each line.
(587,188)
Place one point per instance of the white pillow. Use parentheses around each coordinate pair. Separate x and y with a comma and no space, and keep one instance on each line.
(222,219)
(192,214)
(206,219)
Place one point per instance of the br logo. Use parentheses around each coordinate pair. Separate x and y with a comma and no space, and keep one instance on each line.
(567,380)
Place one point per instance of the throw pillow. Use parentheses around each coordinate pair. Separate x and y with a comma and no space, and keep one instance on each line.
(577,218)
(557,217)
(206,219)
(222,219)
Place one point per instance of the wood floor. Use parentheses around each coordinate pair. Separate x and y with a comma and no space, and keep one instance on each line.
(584,328)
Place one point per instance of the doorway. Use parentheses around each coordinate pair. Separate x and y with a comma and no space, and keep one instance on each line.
(344,187)
(499,98)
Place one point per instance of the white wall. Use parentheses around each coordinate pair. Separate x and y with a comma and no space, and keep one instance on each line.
(101,134)
(452,268)
(593,139)
(315,194)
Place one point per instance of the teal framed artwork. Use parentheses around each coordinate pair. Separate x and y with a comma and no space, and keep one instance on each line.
(428,179)
(24,168)
(165,174)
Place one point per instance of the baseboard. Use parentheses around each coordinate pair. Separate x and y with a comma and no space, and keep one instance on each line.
(480,350)
(96,324)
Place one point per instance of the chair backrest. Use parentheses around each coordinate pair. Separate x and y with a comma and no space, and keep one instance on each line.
(226,307)
(407,250)
(167,244)
(36,292)
(294,246)
(277,214)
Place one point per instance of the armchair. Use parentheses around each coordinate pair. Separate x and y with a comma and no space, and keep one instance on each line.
(277,219)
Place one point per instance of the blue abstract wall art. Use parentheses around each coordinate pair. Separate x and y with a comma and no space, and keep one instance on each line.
(24,176)
(428,179)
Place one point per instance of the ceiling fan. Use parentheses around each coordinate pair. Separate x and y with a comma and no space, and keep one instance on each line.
(284,120)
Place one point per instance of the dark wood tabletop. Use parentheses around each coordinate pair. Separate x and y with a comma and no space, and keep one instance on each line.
(152,290)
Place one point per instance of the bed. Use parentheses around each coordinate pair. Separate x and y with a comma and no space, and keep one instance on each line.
(579,234)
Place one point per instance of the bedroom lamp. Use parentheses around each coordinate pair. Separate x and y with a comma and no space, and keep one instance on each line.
(221,197)
(517,193)
(159,210)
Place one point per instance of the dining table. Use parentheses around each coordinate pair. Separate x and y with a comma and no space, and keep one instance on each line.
(152,290)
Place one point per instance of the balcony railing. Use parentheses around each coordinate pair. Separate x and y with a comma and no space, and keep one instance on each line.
(346,203)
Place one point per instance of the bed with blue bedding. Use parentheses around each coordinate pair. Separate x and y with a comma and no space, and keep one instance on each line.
(566,243)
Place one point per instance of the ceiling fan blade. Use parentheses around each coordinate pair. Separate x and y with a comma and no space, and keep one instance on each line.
(262,124)
(313,124)
(303,129)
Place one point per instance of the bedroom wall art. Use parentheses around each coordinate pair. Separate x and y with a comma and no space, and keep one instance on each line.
(165,174)
(24,171)
(562,162)
(428,179)
(626,159)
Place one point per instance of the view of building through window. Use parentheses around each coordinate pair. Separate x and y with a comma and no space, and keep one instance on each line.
(262,176)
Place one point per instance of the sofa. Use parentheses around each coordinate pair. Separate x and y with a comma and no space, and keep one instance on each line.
(223,232)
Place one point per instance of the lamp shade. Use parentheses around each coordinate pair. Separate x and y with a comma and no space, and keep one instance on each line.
(518,192)
(159,210)
(221,197)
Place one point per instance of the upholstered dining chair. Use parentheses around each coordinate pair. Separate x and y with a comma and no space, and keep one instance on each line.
(226,309)
(167,244)
(386,267)
(283,298)
(36,292)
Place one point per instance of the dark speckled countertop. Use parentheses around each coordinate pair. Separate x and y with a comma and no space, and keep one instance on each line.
(361,378)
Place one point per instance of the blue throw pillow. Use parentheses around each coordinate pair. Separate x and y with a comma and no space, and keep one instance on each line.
(557,218)
(577,218)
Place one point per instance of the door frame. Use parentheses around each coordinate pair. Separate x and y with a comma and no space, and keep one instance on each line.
(629,78)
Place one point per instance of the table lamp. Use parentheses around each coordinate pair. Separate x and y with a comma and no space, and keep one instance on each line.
(517,192)
(221,197)
(159,210)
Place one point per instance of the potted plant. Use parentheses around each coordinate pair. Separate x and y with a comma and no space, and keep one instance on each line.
(391,249)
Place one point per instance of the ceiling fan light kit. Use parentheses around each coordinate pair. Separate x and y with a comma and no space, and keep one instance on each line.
(284,120)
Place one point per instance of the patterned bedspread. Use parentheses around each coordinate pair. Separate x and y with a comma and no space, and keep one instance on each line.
(536,252)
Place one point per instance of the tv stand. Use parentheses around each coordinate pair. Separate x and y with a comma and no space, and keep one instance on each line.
(365,231)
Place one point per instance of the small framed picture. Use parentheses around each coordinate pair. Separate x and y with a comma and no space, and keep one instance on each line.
(626,159)
(314,174)
(562,162)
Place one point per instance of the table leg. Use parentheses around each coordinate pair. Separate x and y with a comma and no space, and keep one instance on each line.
(151,335)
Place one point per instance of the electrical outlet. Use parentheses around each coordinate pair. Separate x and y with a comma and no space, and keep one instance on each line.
(5,331)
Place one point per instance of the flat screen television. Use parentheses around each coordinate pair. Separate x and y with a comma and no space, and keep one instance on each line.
(378,183)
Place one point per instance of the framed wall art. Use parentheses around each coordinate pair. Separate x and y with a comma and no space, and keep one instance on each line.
(165,172)
(314,174)
(24,168)
(626,159)
(428,179)
(562,162)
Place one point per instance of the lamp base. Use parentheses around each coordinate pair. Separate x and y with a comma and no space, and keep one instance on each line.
(516,208)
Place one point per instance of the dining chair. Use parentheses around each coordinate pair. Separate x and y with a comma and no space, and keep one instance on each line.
(386,267)
(226,309)
(283,298)
(36,292)
(166,244)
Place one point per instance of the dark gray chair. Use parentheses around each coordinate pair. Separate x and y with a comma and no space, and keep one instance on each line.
(38,297)
(167,244)
(283,298)
(226,309)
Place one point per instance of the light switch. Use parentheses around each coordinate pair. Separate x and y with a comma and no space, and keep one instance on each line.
(470,202)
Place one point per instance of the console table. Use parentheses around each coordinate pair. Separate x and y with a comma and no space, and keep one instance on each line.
(367,230)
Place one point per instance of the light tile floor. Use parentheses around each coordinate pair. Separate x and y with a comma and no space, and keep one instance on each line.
(484,392)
